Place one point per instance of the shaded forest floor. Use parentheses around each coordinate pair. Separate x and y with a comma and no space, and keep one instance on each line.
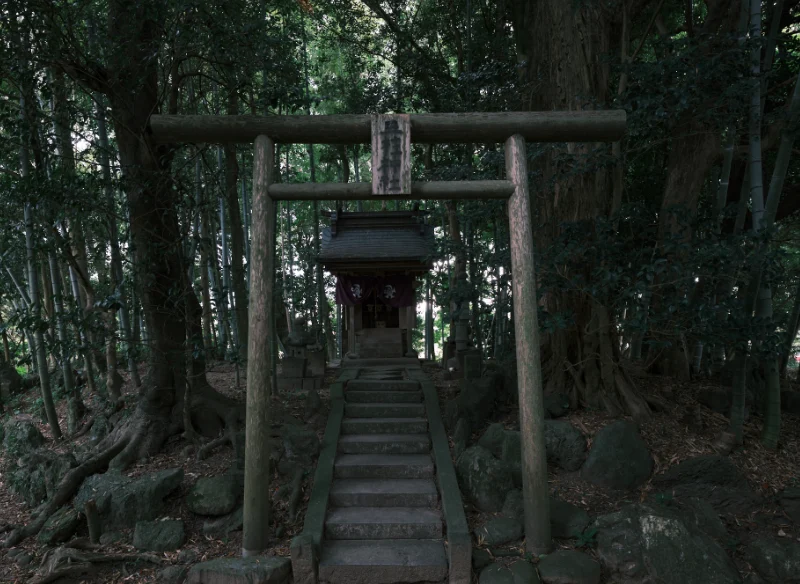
(176,453)
(667,435)
(670,441)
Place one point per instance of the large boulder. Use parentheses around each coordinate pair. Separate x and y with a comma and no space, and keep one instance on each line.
(566,446)
(499,531)
(60,526)
(461,437)
(480,558)
(254,569)
(567,520)
(556,404)
(700,514)
(520,572)
(569,567)
(493,438)
(222,526)
(21,437)
(172,575)
(35,476)
(642,544)
(301,447)
(484,479)
(159,536)
(475,401)
(619,458)
(716,399)
(122,502)
(215,495)
(524,573)
(775,561)
(511,454)
(790,402)
(10,380)
(514,506)
(496,574)
(711,477)
(790,501)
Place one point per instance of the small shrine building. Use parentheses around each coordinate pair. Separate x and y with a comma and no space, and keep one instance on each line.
(378,259)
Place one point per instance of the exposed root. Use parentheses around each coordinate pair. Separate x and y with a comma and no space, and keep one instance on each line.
(82,432)
(206,449)
(297,492)
(63,562)
(67,488)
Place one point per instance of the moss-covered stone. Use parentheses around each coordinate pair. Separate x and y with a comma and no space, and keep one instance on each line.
(215,495)
(159,536)
(252,570)
(484,479)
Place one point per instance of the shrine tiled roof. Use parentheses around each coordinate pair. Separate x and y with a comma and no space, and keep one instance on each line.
(370,237)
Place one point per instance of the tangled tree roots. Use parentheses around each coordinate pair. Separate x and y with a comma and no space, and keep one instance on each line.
(67,488)
(64,562)
(599,378)
(140,436)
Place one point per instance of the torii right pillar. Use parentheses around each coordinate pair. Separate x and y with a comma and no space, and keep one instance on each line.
(529,367)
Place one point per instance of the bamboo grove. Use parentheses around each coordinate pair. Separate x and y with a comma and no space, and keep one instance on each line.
(674,251)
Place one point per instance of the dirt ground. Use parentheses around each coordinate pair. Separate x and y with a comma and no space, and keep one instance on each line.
(176,453)
(669,440)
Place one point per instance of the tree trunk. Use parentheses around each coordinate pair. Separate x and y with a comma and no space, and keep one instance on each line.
(131,84)
(210,240)
(83,340)
(791,332)
(36,314)
(61,124)
(37,341)
(75,405)
(237,275)
(227,289)
(564,45)
(459,276)
(113,237)
(246,225)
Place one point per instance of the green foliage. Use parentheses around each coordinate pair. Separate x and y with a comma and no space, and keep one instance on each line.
(333,57)
(587,539)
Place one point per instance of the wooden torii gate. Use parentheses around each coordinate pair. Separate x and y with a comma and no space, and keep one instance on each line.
(512,128)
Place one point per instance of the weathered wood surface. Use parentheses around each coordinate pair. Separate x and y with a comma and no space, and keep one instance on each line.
(259,363)
(472,189)
(587,126)
(529,367)
(391,154)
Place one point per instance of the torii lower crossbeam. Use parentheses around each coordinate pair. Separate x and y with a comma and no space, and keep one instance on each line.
(512,128)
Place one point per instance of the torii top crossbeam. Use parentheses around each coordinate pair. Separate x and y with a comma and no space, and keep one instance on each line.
(579,126)
(511,128)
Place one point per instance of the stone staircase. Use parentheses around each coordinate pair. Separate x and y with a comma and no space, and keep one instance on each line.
(384,524)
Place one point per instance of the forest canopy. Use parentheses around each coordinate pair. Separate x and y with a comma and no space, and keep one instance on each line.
(674,251)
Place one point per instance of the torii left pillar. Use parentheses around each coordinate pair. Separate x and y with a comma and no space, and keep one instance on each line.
(259,354)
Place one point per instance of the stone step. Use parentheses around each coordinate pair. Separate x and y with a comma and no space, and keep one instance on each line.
(395,397)
(398,561)
(384,410)
(384,493)
(384,426)
(384,444)
(383,523)
(383,466)
(385,385)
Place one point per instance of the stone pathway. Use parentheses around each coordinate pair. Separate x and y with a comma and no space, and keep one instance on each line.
(384,524)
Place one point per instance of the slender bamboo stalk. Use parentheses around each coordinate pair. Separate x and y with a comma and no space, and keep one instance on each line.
(113,237)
